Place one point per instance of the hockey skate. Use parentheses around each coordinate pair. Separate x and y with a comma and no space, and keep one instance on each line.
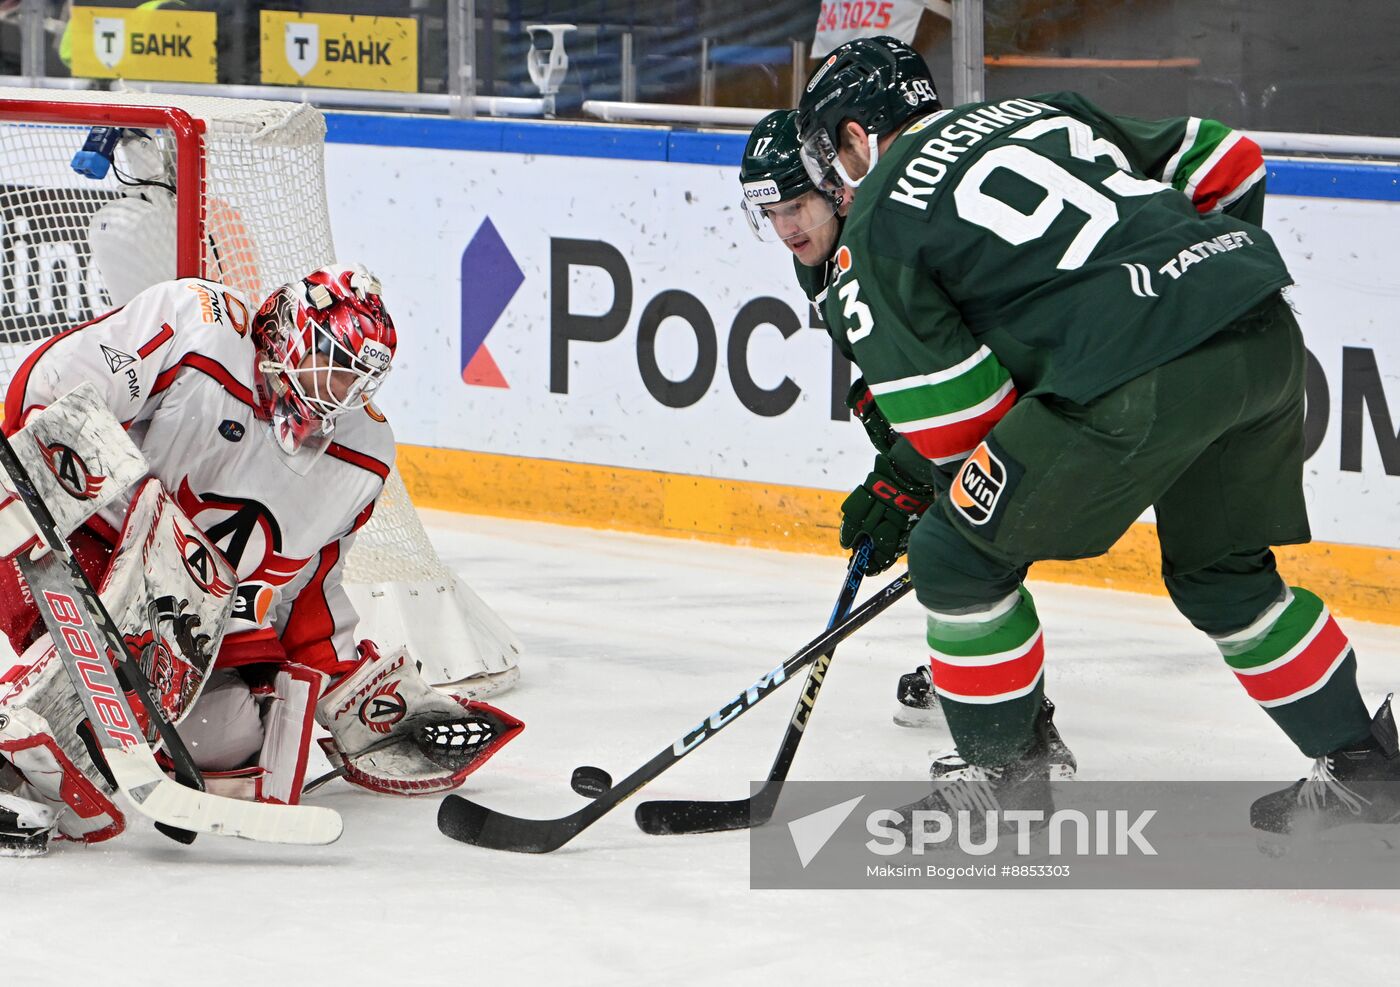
(1354,786)
(24,826)
(918,702)
(975,790)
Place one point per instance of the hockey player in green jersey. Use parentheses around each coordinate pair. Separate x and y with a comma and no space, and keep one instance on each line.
(1076,316)
(782,204)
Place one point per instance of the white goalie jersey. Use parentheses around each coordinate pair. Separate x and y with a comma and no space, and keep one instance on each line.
(177,368)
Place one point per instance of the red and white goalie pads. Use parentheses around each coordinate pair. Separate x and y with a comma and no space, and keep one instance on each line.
(80,459)
(40,719)
(394,733)
(165,572)
(163,567)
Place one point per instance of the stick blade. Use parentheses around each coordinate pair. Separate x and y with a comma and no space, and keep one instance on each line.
(168,802)
(467,822)
(684,817)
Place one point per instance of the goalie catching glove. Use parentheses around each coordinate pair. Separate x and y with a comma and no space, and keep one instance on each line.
(885,507)
(394,733)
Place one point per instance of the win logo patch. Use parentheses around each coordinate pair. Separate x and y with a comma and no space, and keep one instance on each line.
(979,486)
(490,279)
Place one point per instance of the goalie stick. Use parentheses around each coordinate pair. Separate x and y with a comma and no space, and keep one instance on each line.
(684,816)
(470,822)
(82,632)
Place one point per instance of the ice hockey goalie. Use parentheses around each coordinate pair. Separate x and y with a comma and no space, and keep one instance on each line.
(257,456)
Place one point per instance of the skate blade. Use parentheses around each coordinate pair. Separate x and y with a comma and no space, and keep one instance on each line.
(919,719)
(23,850)
(1362,839)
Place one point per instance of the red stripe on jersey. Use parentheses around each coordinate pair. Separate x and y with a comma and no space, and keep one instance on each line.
(156,341)
(1304,672)
(362,518)
(310,626)
(1229,173)
(943,442)
(210,368)
(989,683)
(15,408)
(359,459)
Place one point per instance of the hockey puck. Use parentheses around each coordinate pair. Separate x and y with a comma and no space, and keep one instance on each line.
(590,782)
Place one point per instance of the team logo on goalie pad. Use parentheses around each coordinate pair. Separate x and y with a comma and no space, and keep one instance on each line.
(978,488)
(384,708)
(201,565)
(70,471)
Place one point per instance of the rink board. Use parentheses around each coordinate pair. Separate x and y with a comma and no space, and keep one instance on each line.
(593,336)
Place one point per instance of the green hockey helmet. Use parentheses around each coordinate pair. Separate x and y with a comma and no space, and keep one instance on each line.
(876,82)
(773,177)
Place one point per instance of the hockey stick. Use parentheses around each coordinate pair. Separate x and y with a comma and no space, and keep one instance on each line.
(82,632)
(472,823)
(684,816)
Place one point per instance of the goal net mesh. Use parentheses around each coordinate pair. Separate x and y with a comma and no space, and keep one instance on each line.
(72,247)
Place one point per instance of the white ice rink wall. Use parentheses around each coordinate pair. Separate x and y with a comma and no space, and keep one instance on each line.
(590,334)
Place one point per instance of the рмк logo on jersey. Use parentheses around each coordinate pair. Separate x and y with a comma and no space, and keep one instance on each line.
(490,279)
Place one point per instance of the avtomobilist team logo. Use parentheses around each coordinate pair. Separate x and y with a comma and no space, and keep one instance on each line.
(979,485)
(70,471)
(201,564)
(490,279)
(384,708)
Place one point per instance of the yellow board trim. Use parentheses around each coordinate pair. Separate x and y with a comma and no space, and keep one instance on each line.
(1355,580)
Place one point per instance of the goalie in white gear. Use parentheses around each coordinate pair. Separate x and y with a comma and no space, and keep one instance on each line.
(259,429)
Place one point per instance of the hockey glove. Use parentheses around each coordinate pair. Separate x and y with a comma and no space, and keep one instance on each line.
(396,734)
(885,507)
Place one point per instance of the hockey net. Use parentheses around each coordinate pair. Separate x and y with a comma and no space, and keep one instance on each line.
(232,190)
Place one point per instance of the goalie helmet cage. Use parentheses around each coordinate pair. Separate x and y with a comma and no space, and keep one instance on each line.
(242,200)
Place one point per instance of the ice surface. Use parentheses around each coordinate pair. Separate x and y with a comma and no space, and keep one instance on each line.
(631,641)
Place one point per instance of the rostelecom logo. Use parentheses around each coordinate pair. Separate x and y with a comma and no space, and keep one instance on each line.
(490,279)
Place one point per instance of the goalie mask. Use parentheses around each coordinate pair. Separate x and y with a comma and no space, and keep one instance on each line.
(325,344)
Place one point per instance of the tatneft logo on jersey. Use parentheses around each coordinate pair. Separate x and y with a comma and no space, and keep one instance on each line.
(762,192)
(1178,266)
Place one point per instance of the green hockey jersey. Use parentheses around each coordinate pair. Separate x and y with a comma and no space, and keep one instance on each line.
(1041,247)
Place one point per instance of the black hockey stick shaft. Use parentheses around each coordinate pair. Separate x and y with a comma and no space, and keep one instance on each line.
(470,822)
(684,816)
(128,669)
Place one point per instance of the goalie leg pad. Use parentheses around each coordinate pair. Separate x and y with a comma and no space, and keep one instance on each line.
(163,562)
(393,733)
(39,722)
